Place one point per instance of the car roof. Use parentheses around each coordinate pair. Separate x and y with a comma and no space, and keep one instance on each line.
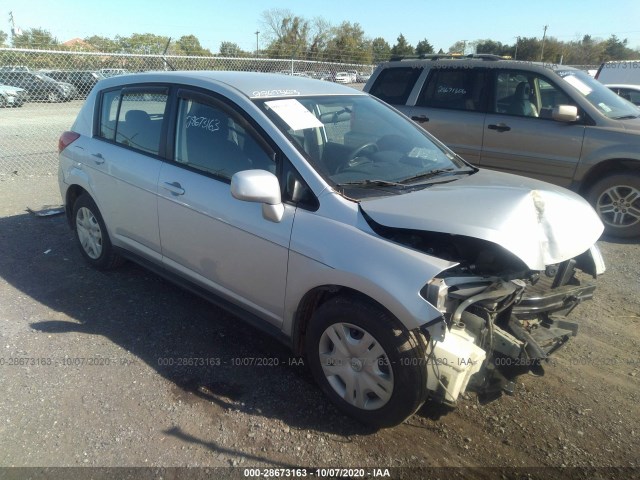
(630,86)
(250,84)
(477,61)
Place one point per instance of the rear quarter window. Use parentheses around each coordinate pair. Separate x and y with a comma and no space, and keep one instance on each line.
(133,118)
(393,85)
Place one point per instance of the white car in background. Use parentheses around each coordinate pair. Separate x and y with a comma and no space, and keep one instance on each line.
(343,77)
(628,92)
(12,96)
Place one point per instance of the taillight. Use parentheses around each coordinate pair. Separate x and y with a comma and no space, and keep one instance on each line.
(66,139)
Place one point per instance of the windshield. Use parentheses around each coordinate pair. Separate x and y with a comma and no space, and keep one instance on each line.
(359,142)
(607,102)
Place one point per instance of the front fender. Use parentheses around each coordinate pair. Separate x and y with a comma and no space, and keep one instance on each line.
(328,252)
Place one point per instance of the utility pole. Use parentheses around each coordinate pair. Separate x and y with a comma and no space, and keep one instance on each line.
(544,35)
(515,55)
(13,25)
(257,45)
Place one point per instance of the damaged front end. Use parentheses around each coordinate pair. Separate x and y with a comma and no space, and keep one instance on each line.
(502,317)
(511,324)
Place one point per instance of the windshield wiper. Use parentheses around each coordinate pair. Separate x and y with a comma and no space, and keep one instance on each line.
(435,173)
(371,183)
(626,117)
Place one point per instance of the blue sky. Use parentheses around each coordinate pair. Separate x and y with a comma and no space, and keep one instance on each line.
(442,22)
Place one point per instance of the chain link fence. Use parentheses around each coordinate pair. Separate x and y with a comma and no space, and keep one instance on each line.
(41,92)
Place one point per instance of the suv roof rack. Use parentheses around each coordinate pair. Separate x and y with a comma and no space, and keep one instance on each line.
(439,56)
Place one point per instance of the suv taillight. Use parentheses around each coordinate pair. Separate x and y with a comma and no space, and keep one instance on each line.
(66,139)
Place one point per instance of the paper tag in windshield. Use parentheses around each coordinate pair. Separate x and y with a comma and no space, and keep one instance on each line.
(575,82)
(604,107)
(294,114)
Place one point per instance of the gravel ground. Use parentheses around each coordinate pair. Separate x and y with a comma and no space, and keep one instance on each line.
(104,384)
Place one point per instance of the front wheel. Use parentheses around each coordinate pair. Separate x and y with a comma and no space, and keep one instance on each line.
(91,235)
(366,362)
(53,97)
(616,199)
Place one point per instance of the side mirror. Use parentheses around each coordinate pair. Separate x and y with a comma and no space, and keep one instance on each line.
(259,186)
(565,113)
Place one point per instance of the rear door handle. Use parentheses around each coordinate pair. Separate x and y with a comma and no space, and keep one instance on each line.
(420,118)
(174,187)
(98,158)
(500,127)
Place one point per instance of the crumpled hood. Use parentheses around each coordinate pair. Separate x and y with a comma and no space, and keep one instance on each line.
(540,223)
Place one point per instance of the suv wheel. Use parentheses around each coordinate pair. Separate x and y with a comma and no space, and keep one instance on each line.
(616,198)
(91,235)
(53,97)
(366,362)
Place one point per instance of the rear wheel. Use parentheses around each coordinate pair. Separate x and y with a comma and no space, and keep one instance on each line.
(91,235)
(616,199)
(53,97)
(366,362)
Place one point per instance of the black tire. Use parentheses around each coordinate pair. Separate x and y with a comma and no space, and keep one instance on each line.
(3,102)
(616,199)
(92,236)
(399,375)
(53,97)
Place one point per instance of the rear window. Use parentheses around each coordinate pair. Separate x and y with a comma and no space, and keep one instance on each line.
(394,85)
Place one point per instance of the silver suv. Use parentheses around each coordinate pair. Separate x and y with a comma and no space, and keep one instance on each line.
(550,122)
(327,219)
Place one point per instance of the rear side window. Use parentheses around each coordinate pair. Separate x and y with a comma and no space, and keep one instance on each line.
(133,118)
(455,89)
(394,85)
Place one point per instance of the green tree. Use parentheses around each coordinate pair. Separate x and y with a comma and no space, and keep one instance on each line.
(349,44)
(3,38)
(102,44)
(190,45)
(424,47)
(380,50)
(615,49)
(142,43)
(494,47)
(402,47)
(459,47)
(319,36)
(35,38)
(529,49)
(288,34)
(230,49)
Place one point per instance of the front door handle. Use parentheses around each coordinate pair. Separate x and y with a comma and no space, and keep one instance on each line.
(98,158)
(174,187)
(500,127)
(420,118)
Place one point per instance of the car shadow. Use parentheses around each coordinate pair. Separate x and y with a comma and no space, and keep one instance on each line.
(161,324)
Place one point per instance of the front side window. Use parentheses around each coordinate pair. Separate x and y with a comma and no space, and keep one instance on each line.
(455,89)
(133,118)
(211,139)
(607,102)
(526,94)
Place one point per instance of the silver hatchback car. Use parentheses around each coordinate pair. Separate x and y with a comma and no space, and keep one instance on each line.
(326,218)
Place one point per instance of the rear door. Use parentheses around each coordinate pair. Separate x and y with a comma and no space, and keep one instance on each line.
(521,137)
(124,158)
(452,106)
(218,242)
